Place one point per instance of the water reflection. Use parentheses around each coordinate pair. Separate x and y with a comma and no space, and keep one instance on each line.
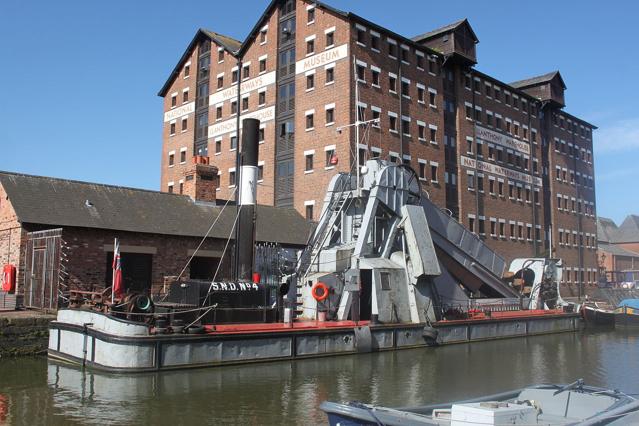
(290,392)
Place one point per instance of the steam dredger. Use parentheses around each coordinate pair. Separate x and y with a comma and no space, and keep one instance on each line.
(384,269)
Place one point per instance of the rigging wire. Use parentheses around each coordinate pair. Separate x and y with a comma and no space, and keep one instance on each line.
(200,244)
(223,253)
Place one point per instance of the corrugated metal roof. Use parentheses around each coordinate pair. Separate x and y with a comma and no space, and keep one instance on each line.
(61,202)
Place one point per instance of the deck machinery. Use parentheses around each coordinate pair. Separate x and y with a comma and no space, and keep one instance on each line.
(387,254)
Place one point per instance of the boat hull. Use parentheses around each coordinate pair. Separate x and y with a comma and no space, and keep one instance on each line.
(590,405)
(101,342)
(595,316)
(626,317)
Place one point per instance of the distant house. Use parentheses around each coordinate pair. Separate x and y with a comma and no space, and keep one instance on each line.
(618,248)
(59,233)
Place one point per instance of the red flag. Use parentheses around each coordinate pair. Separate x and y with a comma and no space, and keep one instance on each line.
(118,286)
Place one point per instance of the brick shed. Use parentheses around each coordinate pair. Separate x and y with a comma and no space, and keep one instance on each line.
(59,234)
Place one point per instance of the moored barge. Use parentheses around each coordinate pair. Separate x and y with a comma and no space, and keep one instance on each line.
(384,269)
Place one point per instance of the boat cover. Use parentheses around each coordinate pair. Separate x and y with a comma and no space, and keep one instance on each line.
(631,303)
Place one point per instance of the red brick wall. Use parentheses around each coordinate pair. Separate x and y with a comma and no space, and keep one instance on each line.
(413,149)
(311,186)
(12,236)
(226,159)
(580,255)
(87,256)
(630,246)
(493,206)
(181,140)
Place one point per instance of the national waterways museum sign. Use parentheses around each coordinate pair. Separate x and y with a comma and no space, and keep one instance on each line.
(482,166)
(491,136)
(264,115)
(179,112)
(321,59)
(248,86)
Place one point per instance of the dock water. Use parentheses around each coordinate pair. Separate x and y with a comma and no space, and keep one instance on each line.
(289,392)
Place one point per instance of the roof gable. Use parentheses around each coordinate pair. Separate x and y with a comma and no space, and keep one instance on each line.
(227,43)
(448,29)
(606,230)
(267,13)
(540,79)
(628,231)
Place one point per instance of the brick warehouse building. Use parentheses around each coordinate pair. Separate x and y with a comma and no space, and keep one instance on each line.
(503,158)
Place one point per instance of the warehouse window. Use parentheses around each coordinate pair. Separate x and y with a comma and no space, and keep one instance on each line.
(392,83)
(330,39)
(310,122)
(361,35)
(330,115)
(310,82)
(375,76)
(329,155)
(375,38)
(433,172)
(310,15)
(330,75)
(308,162)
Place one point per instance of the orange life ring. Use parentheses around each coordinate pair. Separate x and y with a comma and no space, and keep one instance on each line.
(324,291)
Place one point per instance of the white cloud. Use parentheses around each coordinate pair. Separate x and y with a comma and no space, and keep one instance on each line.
(622,135)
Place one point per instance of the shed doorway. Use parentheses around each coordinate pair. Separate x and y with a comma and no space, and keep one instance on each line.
(43,273)
(137,269)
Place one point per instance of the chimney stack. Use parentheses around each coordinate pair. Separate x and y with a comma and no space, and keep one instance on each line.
(201,180)
(245,238)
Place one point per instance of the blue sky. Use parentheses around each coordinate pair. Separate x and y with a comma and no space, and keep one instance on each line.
(80,77)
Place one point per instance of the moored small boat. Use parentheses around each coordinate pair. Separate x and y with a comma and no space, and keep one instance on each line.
(627,313)
(594,315)
(572,404)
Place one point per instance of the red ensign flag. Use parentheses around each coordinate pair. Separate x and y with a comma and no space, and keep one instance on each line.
(118,287)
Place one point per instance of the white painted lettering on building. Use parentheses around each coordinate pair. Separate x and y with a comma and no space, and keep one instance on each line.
(470,163)
(245,88)
(264,115)
(179,112)
(488,135)
(321,59)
